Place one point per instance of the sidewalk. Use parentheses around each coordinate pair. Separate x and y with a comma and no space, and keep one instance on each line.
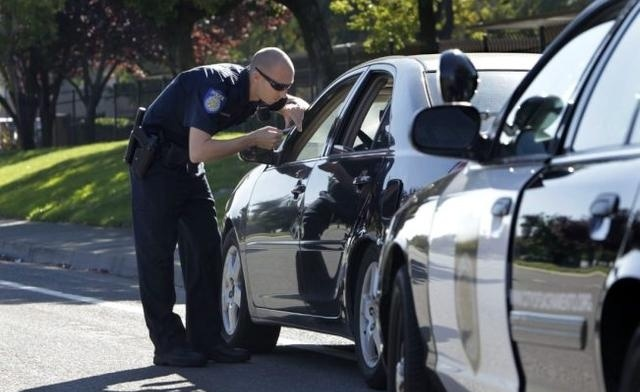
(107,250)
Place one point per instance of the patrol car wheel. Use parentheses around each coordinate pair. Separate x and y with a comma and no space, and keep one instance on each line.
(237,328)
(405,352)
(630,380)
(368,335)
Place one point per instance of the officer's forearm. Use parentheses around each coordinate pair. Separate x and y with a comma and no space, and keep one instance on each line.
(203,149)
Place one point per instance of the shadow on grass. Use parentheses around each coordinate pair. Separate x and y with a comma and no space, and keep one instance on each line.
(92,189)
(12,157)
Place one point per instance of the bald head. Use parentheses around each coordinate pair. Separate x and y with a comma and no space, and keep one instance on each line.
(273,60)
(270,57)
(272,74)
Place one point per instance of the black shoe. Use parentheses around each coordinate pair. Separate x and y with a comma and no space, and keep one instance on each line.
(226,354)
(180,356)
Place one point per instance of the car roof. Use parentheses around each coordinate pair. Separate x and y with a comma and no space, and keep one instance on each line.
(482,61)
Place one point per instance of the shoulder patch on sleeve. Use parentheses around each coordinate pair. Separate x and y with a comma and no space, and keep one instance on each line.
(213,101)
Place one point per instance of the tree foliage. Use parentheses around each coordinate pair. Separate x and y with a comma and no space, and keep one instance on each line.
(105,35)
(26,26)
(388,23)
(404,22)
(245,29)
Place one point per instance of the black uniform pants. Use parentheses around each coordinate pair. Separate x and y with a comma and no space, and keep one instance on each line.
(175,205)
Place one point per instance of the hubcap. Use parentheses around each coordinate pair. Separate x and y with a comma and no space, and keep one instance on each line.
(231,297)
(370,341)
(400,372)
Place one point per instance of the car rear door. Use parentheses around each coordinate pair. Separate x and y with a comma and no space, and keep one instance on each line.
(570,226)
(473,222)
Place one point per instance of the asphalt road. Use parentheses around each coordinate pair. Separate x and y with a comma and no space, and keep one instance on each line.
(68,330)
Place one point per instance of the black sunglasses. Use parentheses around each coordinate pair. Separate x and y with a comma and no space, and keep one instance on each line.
(275,85)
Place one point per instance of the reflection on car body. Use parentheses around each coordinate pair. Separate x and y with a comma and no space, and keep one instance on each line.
(521,271)
(303,231)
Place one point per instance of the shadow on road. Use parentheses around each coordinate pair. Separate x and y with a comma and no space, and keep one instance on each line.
(289,368)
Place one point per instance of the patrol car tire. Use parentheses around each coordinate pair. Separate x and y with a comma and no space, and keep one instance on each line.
(405,351)
(630,380)
(237,328)
(366,328)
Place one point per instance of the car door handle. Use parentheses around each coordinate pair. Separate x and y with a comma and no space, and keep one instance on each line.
(298,189)
(602,209)
(361,180)
(604,205)
(501,207)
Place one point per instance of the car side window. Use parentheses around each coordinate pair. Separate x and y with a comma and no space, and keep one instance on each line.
(611,112)
(316,133)
(532,124)
(370,118)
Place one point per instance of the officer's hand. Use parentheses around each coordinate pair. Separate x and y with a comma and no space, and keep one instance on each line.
(268,138)
(293,111)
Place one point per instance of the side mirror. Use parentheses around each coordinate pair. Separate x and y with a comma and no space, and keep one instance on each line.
(449,131)
(458,76)
(259,155)
(535,114)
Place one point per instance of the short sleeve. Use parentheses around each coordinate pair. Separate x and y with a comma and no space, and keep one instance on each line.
(202,107)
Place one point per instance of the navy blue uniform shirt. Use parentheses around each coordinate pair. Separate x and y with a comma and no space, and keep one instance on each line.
(211,98)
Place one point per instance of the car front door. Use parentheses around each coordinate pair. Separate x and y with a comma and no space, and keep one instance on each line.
(339,186)
(570,226)
(472,225)
(273,213)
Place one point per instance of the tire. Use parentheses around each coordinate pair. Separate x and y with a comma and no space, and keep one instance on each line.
(630,380)
(237,328)
(366,328)
(405,350)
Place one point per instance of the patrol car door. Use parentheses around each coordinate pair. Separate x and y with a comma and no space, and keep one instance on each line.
(340,184)
(471,231)
(570,226)
(273,213)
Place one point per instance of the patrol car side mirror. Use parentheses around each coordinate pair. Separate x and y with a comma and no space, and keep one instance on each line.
(259,155)
(458,76)
(536,113)
(452,131)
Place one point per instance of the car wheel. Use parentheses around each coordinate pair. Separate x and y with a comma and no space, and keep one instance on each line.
(630,380)
(367,330)
(405,351)
(237,328)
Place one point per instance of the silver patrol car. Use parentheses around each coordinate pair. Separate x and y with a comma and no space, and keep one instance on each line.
(521,271)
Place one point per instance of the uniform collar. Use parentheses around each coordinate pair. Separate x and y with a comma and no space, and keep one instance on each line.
(238,95)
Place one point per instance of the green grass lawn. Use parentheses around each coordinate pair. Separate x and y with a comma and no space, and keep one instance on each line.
(86,184)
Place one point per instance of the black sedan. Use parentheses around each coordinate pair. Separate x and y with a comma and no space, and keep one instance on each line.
(521,272)
(302,232)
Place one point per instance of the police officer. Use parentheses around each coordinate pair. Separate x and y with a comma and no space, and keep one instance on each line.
(173,203)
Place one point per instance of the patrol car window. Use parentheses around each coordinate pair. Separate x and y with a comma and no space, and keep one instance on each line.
(316,133)
(611,112)
(532,124)
(494,90)
(368,115)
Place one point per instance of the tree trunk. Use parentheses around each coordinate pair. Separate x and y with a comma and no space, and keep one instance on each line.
(427,35)
(177,36)
(446,8)
(24,94)
(90,122)
(47,109)
(26,120)
(316,38)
